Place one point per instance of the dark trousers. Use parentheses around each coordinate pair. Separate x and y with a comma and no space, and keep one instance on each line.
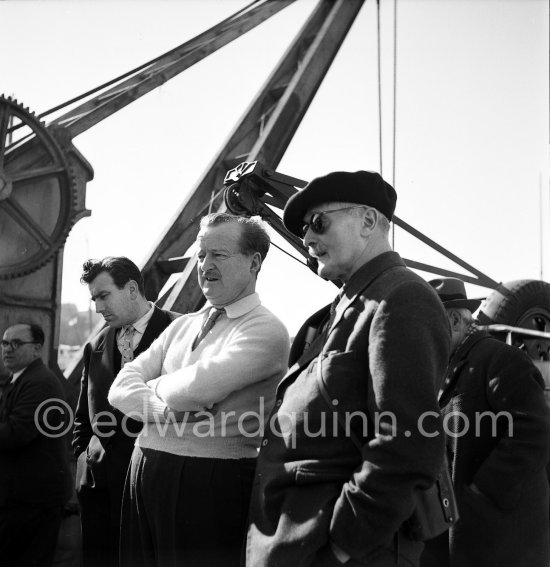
(436,553)
(184,510)
(28,535)
(100,527)
(401,553)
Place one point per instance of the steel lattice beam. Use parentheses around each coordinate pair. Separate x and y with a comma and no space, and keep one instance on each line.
(263,134)
(166,67)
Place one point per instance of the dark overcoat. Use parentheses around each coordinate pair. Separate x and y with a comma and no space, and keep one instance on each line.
(498,429)
(33,462)
(385,351)
(103,458)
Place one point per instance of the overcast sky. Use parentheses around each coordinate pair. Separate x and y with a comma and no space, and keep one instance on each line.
(472,129)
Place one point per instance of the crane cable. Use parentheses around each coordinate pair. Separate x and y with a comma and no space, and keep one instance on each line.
(379,58)
(394,105)
(394,117)
(136,70)
(394,136)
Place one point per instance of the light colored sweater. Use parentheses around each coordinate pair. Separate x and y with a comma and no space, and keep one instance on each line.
(236,368)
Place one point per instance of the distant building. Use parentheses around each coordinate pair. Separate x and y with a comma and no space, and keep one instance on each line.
(76,326)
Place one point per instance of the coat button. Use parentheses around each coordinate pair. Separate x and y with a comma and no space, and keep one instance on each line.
(264,442)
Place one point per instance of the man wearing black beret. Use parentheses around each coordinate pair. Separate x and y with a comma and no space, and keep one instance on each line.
(376,355)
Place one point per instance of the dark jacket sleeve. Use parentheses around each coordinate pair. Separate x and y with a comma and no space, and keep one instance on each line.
(20,426)
(515,390)
(408,349)
(82,432)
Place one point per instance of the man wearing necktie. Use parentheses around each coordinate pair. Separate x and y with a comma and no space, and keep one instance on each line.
(188,488)
(103,439)
(319,501)
(34,476)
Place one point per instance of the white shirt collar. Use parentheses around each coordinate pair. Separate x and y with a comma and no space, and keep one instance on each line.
(240,307)
(141,324)
(17,374)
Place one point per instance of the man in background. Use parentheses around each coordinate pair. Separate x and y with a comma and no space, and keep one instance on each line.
(103,439)
(498,437)
(34,477)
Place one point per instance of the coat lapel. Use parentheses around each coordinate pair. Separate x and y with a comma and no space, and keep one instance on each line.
(6,396)
(102,365)
(450,380)
(11,389)
(456,364)
(362,279)
(109,348)
(307,356)
(156,325)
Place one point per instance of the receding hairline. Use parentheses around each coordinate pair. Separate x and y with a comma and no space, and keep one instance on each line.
(27,325)
(34,329)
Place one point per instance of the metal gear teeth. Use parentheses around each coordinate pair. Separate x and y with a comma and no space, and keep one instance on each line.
(67,184)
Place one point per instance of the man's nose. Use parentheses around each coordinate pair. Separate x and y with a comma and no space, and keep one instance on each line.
(308,238)
(206,264)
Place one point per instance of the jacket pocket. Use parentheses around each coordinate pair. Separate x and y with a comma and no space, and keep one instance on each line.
(346,378)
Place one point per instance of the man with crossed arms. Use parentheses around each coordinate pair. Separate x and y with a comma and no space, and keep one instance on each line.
(188,489)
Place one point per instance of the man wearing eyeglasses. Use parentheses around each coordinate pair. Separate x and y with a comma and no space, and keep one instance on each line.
(365,369)
(34,477)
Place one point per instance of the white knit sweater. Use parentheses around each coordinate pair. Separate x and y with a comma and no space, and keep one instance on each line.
(236,367)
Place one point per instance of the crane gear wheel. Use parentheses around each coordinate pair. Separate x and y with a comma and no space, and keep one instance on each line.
(37,192)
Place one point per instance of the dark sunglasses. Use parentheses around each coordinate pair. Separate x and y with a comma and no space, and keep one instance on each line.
(319,223)
(15,344)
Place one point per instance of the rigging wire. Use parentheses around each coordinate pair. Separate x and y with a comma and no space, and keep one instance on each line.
(379,55)
(394,105)
(288,254)
(116,80)
(138,69)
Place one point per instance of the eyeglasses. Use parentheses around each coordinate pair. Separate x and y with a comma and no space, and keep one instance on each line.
(319,223)
(15,344)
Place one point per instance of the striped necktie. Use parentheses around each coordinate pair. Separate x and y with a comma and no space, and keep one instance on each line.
(208,324)
(125,344)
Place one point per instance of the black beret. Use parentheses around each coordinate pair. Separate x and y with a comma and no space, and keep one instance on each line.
(362,187)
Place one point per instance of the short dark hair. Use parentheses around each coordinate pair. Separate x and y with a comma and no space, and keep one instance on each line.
(254,235)
(37,333)
(120,268)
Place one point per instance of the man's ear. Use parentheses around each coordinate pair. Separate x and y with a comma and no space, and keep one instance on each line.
(454,319)
(370,217)
(133,288)
(256,262)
